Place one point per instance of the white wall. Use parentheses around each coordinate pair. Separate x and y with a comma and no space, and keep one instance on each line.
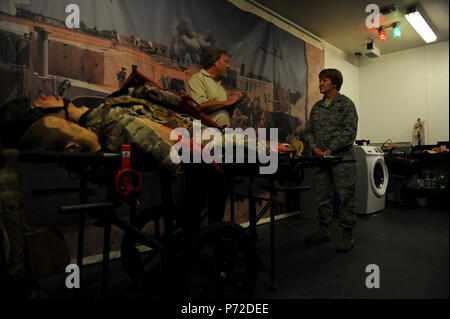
(390,92)
(437,125)
(400,87)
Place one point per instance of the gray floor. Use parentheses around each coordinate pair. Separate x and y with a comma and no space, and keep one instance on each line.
(411,249)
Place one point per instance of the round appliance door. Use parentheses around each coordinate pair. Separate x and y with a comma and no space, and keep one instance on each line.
(379,177)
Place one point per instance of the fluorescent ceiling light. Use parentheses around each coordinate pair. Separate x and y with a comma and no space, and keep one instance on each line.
(420,25)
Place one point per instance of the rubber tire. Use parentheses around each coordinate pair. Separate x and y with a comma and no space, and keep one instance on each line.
(224,278)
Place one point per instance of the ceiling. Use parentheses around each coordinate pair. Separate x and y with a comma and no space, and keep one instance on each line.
(342,22)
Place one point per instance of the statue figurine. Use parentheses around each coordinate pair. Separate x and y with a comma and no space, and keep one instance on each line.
(418,133)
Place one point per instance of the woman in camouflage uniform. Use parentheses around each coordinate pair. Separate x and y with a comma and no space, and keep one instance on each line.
(331,130)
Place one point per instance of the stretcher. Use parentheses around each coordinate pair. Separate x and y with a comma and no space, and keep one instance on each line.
(226,239)
(233,250)
(187,260)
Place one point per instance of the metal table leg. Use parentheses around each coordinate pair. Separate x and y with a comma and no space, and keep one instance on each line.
(273,211)
(81,228)
(106,250)
(252,212)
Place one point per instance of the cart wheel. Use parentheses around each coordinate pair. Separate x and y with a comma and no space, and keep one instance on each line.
(136,257)
(221,263)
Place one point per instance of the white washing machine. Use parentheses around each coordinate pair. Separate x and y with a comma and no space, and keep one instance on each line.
(372,180)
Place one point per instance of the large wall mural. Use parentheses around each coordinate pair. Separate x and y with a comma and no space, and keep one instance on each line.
(163,39)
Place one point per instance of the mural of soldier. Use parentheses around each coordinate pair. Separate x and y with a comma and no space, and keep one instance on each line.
(257,114)
(121,76)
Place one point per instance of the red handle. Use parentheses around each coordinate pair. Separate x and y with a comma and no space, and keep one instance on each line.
(124,182)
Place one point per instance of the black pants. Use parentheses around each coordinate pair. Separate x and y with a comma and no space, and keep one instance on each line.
(203,184)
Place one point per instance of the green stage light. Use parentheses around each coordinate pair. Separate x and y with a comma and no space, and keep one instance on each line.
(397,31)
